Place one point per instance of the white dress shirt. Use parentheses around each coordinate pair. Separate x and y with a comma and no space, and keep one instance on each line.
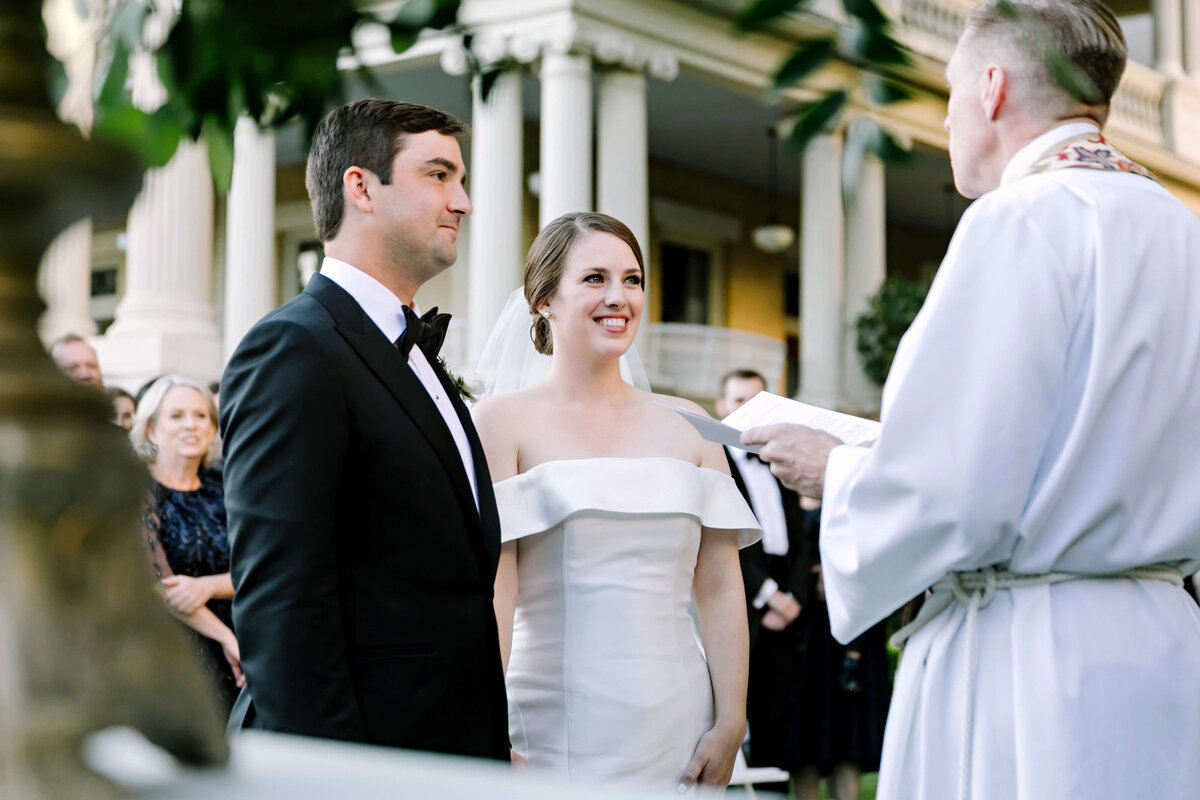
(387,312)
(767,502)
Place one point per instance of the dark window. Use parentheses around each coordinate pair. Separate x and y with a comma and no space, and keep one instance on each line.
(686,272)
(104,281)
(793,366)
(308,263)
(791,294)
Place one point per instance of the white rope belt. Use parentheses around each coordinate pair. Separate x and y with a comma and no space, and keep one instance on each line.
(975,590)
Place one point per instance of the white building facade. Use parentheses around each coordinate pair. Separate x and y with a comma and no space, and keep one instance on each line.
(654,111)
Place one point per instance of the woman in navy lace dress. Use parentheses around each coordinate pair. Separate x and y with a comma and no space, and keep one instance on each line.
(174,431)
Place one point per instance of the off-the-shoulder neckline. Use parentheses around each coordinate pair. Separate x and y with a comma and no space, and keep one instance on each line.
(561,461)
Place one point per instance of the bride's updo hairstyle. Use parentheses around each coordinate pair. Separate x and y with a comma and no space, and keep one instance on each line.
(548,257)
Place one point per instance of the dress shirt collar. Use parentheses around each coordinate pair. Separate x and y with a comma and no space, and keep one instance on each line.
(375,299)
(1020,164)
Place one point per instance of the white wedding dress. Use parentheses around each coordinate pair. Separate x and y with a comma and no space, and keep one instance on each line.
(607,681)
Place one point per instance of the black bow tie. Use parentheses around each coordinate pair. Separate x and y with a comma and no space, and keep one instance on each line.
(754,457)
(426,332)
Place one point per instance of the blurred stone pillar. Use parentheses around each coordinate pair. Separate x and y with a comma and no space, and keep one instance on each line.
(65,272)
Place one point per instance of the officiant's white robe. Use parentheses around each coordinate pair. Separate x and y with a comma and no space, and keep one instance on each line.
(1043,413)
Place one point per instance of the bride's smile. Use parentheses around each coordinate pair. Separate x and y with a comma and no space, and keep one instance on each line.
(601,287)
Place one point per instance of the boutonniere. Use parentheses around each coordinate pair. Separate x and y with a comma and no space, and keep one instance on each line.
(466,385)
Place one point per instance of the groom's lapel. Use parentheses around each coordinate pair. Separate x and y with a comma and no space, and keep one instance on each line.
(381,356)
(488,515)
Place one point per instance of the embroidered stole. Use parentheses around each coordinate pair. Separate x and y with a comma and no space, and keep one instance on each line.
(1088,151)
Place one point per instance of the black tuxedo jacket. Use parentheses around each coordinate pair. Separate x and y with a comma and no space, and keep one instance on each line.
(755,568)
(363,570)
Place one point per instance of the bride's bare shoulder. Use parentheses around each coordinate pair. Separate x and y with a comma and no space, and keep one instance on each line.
(683,435)
(670,401)
(504,410)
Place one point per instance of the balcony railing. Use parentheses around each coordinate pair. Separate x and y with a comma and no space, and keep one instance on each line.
(931,28)
(690,360)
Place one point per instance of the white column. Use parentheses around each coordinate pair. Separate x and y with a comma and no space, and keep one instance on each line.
(166,321)
(622,151)
(168,271)
(249,233)
(866,267)
(1191,40)
(821,258)
(1168,36)
(566,147)
(497,180)
(65,280)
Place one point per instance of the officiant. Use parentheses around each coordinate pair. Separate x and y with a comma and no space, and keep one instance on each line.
(1037,461)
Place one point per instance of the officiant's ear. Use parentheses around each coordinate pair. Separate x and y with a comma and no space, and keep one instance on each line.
(355,181)
(994,90)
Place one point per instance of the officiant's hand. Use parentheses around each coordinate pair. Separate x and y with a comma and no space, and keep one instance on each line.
(712,763)
(796,454)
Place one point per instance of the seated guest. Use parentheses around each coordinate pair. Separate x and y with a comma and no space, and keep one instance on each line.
(76,358)
(174,432)
(123,406)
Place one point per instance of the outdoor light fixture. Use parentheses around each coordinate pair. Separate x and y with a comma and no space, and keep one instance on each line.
(774,237)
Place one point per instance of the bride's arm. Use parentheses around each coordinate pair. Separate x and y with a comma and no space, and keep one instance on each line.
(492,418)
(721,607)
(505,600)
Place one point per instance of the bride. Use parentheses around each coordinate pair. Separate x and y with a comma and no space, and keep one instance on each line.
(614,515)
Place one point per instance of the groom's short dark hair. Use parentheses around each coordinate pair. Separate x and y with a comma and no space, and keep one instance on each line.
(368,134)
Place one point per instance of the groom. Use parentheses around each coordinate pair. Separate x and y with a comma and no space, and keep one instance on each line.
(363,526)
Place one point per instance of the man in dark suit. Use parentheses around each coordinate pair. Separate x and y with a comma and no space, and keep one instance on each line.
(364,529)
(777,572)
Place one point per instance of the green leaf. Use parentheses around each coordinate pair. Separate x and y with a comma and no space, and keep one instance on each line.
(219,138)
(867,11)
(1008,10)
(890,149)
(817,117)
(875,46)
(57,81)
(808,56)
(153,137)
(884,91)
(403,38)
(127,22)
(880,329)
(112,90)
(761,13)
(1072,80)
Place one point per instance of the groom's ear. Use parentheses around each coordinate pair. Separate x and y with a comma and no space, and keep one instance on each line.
(355,185)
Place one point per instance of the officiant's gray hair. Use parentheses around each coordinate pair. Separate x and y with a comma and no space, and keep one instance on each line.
(1072,51)
(548,257)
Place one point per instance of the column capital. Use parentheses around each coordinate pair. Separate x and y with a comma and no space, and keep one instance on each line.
(490,50)
(619,51)
(605,47)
